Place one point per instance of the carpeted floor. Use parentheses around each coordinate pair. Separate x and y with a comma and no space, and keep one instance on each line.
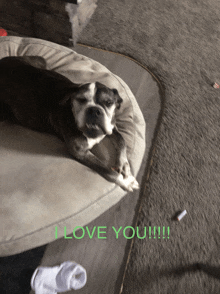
(179,42)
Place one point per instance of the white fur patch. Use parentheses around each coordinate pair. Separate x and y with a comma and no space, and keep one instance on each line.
(92,142)
(108,120)
(92,88)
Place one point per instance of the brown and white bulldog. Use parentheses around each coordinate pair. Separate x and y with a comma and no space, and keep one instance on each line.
(80,114)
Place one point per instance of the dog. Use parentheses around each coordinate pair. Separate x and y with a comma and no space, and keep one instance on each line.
(79,114)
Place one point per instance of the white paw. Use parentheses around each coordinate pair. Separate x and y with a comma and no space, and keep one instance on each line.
(123,167)
(129,183)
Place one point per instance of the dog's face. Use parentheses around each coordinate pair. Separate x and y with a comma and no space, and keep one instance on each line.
(93,106)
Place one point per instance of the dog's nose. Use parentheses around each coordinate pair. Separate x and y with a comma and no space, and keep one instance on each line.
(95,112)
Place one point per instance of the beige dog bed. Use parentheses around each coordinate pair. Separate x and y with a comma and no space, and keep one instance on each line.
(41,186)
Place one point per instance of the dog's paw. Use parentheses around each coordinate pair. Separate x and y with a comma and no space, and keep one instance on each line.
(127,183)
(123,168)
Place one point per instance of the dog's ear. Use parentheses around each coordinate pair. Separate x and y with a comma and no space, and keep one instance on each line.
(118,98)
(69,93)
(65,100)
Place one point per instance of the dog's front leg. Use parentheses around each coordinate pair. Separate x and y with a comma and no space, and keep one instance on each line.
(122,165)
(79,150)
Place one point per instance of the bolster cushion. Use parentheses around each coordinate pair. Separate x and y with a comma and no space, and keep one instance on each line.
(41,186)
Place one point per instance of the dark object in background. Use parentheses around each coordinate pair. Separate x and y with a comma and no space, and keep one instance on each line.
(72,1)
(16,271)
(58,21)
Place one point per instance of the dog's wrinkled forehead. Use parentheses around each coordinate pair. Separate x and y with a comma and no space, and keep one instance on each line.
(88,91)
(97,93)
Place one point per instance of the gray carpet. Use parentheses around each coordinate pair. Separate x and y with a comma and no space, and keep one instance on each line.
(179,42)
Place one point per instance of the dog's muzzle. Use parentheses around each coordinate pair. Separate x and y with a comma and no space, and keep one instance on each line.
(94,118)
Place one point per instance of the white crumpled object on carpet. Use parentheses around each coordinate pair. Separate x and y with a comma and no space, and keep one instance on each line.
(50,280)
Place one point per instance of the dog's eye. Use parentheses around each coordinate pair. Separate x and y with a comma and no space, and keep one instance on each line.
(109,103)
(81,100)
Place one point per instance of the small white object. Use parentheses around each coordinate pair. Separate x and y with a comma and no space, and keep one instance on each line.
(181,215)
(215,85)
(50,280)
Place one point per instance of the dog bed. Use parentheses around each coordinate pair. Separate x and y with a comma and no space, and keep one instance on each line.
(42,188)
